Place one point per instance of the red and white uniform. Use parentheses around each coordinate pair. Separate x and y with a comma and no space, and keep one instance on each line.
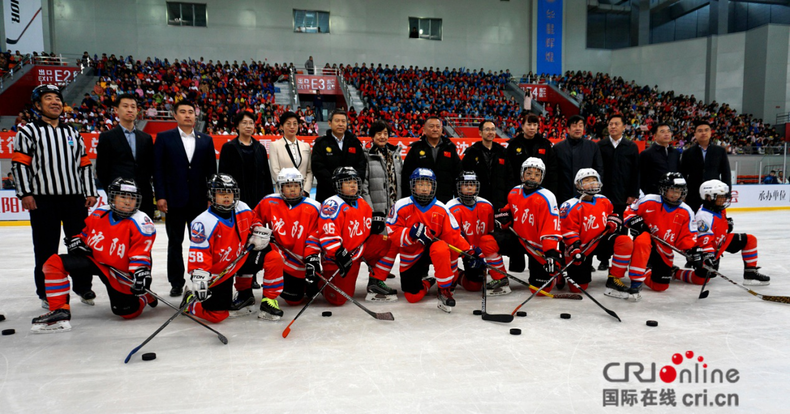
(440,223)
(583,221)
(293,227)
(477,223)
(215,242)
(123,244)
(675,225)
(535,218)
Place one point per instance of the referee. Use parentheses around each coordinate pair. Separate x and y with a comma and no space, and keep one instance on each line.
(54,180)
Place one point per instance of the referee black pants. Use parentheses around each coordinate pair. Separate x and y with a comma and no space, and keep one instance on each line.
(45,222)
(175,221)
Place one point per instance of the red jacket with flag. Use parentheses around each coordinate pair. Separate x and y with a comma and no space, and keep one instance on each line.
(475,221)
(583,221)
(344,225)
(675,225)
(293,227)
(712,234)
(215,241)
(535,218)
(123,244)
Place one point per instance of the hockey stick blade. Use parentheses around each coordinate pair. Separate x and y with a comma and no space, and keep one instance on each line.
(164,325)
(505,318)
(287,329)
(704,294)
(572,296)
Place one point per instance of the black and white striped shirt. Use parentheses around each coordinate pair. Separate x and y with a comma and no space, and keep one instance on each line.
(51,160)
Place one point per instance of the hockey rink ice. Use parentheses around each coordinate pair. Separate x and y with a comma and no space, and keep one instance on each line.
(426,361)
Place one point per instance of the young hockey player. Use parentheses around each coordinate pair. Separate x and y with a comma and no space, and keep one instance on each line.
(117,235)
(585,218)
(343,228)
(715,236)
(217,237)
(412,224)
(666,216)
(532,212)
(475,216)
(294,221)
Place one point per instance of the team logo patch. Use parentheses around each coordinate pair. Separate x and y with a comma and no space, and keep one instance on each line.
(197,234)
(329,208)
(565,209)
(148,225)
(702,226)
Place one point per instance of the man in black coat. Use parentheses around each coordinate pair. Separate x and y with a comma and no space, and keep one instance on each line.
(702,162)
(574,153)
(338,148)
(436,152)
(127,152)
(184,161)
(529,143)
(658,159)
(621,176)
(246,160)
(489,161)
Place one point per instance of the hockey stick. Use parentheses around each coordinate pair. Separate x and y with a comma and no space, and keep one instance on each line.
(769,298)
(382,316)
(186,305)
(125,276)
(503,317)
(586,249)
(573,282)
(288,328)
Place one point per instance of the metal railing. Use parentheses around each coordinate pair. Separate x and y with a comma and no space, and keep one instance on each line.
(294,91)
(13,71)
(301,70)
(158,115)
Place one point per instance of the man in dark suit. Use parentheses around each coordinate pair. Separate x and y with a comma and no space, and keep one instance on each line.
(338,148)
(658,159)
(127,152)
(436,152)
(702,162)
(184,160)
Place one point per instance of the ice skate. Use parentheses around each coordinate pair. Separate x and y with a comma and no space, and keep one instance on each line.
(243,305)
(498,287)
(378,291)
(87,298)
(51,322)
(446,301)
(615,288)
(751,277)
(270,310)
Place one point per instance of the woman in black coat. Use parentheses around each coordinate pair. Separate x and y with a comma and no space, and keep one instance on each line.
(245,159)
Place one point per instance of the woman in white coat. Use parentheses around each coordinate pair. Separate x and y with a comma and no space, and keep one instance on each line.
(289,152)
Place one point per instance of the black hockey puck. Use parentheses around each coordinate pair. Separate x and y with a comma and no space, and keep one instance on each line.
(521,313)
(150,356)
(477,312)
(565,315)
(390,276)
(515,331)
(326,313)
(2,318)
(652,323)
(8,332)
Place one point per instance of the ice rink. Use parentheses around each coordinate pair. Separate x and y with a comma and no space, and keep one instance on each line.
(426,361)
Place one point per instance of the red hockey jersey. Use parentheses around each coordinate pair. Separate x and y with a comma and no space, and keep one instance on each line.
(584,220)
(535,218)
(294,228)
(675,225)
(712,231)
(475,221)
(215,241)
(124,244)
(343,225)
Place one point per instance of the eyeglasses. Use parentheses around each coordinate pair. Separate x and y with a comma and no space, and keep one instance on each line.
(489,129)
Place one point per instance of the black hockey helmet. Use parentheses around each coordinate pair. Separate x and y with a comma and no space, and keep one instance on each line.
(41,90)
(464,179)
(127,189)
(342,175)
(672,180)
(223,183)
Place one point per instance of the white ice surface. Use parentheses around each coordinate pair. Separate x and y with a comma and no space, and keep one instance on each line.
(426,361)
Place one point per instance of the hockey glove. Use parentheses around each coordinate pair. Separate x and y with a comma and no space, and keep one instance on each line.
(637,226)
(259,238)
(502,219)
(476,260)
(694,257)
(378,224)
(552,265)
(77,247)
(614,224)
(343,261)
(708,260)
(575,253)
(200,282)
(730,224)
(141,281)
(312,265)
(419,233)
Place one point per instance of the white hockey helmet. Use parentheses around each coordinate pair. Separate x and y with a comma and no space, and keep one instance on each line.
(290,175)
(536,163)
(591,188)
(710,191)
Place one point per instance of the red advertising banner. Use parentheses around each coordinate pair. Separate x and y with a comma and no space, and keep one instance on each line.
(55,75)
(310,83)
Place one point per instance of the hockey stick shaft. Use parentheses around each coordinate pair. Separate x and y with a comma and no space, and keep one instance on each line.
(287,329)
(126,277)
(586,249)
(187,303)
(573,282)
(384,316)
(770,298)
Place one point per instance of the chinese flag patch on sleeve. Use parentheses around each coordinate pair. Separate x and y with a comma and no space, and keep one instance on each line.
(447,154)
(542,151)
(352,150)
(501,161)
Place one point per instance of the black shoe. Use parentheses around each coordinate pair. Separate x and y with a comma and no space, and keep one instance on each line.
(176,291)
(604,265)
(517,263)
